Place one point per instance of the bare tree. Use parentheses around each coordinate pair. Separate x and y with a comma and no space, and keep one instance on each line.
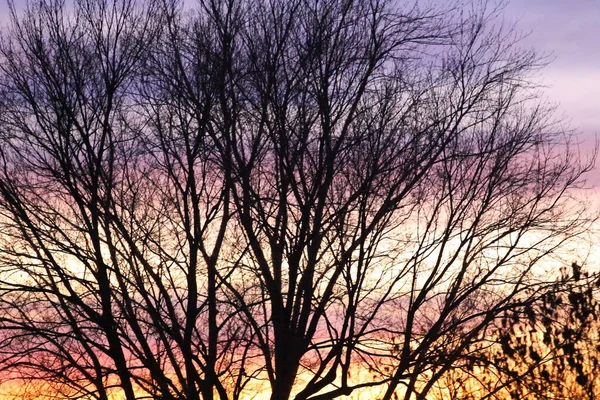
(306,198)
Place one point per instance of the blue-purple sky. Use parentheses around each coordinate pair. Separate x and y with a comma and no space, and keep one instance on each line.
(569,32)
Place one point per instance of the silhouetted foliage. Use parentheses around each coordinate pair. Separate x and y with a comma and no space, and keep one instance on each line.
(545,350)
(555,343)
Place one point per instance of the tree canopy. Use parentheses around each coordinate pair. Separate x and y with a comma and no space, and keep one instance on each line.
(297,198)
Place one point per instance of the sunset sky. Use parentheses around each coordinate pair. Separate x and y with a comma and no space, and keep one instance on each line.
(388,247)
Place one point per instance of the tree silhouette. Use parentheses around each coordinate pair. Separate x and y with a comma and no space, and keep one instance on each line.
(546,350)
(303,198)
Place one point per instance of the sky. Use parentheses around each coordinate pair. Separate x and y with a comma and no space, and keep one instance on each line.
(568,31)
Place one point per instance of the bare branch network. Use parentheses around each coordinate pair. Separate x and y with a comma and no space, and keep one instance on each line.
(274,199)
